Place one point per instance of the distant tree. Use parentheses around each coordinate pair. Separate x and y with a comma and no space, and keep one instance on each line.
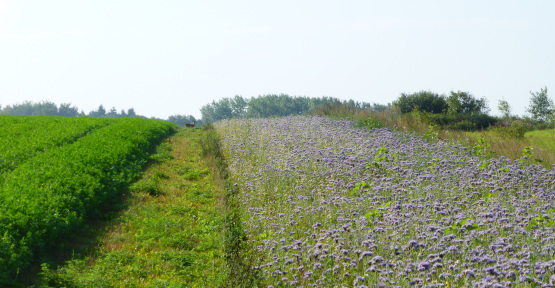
(238,106)
(541,106)
(45,108)
(426,101)
(464,102)
(505,109)
(131,112)
(66,110)
(223,109)
(208,113)
(270,105)
(101,112)
(28,108)
(122,113)
(113,113)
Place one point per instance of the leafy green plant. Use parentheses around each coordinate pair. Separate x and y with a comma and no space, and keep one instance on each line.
(382,156)
(454,229)
(150,186)
(431,134)
(526,154)
(195,174)
(480,149)
(484,165)
(376,213)
(540,220)
(358,189)
(373,123)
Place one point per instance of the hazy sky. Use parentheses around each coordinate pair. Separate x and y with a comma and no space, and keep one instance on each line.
(173,57)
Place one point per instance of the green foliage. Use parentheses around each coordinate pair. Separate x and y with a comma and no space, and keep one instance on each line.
(480,149)
(274,105)
(526,154)
(373,123)
(50,194)
(505,109)
(541,220)
(457,226)
(465,103)
(357,191)
(376,213)
(431,134)
(150,186)
(462,121)
(424,100)
(541,106)
(381,156)
(516,130)
(22,138)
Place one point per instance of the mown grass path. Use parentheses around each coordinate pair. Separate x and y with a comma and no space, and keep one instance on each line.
(170,235)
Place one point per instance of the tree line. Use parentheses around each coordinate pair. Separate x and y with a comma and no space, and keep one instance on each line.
(48,108)
(272,105)
(458,110)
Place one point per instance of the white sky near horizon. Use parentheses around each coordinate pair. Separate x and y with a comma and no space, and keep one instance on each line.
(172,57)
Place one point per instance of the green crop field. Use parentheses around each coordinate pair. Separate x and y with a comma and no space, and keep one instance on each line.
(56,172)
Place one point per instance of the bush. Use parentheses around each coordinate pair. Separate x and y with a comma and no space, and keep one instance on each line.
(515,130)
(462,121)
(373,123)
(425,101)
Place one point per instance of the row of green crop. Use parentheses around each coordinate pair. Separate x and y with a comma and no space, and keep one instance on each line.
(22,138)
(47,197)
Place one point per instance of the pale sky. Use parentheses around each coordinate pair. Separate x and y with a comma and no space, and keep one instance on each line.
(172,57)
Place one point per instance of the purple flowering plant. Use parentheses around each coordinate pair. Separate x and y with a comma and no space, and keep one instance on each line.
(327,203)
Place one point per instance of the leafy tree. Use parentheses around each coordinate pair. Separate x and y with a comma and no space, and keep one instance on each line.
(67,110)
(238,106)
(28,108)
(131,112)
(505,109)
(425,101)
(464,102)
(208,113)
(45,108)
(101,112)
(271,105)
(541,106)
(113,113)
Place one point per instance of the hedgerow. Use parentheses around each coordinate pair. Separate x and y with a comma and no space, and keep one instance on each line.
(49,195)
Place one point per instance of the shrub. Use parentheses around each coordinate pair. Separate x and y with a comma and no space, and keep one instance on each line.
(462,121)
(515,130)
(373,123)
(424,100)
